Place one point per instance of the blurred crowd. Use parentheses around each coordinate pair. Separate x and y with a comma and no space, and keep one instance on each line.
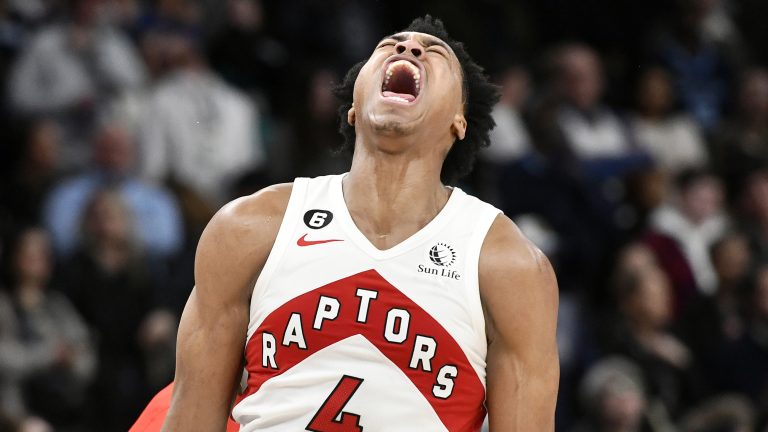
(631,146)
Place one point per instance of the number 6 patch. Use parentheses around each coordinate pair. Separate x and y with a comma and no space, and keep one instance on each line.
(317,219)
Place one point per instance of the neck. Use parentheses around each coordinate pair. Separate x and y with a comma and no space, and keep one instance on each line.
(392,195)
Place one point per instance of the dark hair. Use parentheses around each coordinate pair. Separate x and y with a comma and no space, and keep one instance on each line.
(479,98)
(690,176)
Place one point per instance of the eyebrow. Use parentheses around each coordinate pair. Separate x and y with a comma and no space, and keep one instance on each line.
(428,41)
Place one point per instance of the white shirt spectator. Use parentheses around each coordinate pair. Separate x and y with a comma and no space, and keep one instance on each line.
(74,81)
(695,241)
(201,132)
(52,75)
(675,143)
(509,139)
(602,135)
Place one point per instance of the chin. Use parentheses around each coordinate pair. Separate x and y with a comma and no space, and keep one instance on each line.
(391,129)
(391,135)
(391,124)
(393,121)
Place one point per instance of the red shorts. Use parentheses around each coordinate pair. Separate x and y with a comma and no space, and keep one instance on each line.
(151,419)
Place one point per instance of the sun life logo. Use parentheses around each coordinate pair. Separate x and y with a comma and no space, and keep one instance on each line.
(441,254)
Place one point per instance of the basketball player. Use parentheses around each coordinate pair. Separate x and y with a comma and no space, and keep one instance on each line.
(381,299)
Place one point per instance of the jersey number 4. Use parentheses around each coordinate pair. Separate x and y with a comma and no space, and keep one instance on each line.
(330,417)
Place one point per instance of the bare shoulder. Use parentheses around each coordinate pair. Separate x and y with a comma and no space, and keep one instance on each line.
(516,278)
(238,239)
(506,250)
(246,212)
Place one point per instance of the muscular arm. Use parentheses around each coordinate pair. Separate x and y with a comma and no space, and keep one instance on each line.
(520,298)
(230,255)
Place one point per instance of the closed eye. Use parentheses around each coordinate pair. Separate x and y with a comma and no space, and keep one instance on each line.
(437,50)
(385,44)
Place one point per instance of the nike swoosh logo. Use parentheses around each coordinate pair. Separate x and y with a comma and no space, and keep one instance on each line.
(303,242)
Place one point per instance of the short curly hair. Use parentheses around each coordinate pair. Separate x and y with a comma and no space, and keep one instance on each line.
(479,98)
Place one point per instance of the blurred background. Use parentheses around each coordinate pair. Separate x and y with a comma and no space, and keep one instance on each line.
(631,146)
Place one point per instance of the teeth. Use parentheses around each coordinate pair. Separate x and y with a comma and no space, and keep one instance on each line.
(404,63)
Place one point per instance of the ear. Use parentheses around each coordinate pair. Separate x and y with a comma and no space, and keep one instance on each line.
(459,126)
(351,115)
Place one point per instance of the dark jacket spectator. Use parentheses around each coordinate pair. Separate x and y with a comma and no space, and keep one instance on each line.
(709,322)
(642,334)
(46,357)
(108,281)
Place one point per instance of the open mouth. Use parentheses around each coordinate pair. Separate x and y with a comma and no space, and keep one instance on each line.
(401,81)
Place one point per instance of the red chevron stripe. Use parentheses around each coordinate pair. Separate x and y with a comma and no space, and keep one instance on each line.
(462,411)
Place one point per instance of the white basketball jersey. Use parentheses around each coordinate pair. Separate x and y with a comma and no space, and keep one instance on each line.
(345,337)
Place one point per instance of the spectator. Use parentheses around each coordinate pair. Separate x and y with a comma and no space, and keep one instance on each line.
(718,26)
(666,253)
(591,130)
(754,211)
(695,220)
(510,139)
(574,182)
(245,54)
(673,140)
(198,131)
(613,396)
(23,191)
(741,144)
(700,69)
(157,220)
(712,321)
(109,283)
(73,70)
(154,26)
(746,360)
(593,134)
(645,306)
(46,357)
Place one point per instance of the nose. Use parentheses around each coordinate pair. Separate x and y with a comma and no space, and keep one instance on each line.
(409,46)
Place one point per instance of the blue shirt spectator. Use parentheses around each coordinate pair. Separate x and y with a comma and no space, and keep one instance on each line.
(158,222)
(701,68)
